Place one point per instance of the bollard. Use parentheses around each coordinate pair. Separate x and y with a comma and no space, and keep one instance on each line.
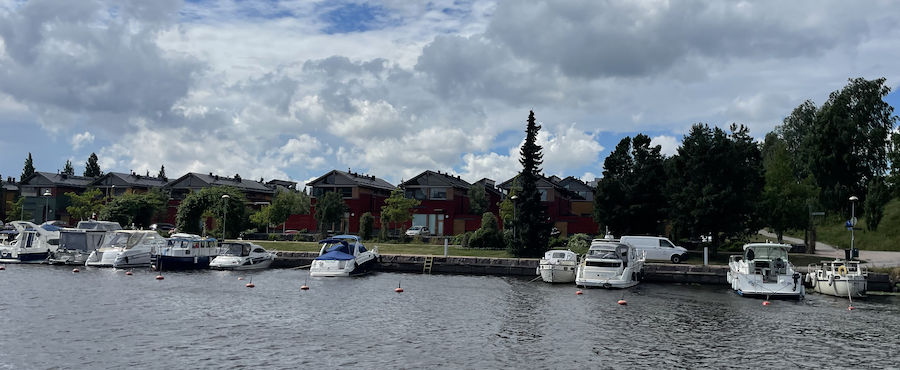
(445,247)
(705,256)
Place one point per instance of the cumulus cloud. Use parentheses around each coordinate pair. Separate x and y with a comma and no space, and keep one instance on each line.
(80,139)
(668,144)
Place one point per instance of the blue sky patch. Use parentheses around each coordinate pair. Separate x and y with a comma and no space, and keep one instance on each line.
(349,18)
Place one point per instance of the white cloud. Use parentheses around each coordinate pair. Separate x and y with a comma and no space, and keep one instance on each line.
(80,140)
(669,145)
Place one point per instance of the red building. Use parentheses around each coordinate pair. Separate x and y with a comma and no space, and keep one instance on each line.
(560,201)
(362,193)
(256,192)
(445,207)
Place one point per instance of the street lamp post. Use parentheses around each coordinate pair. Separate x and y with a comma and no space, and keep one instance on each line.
(224,213)
(47,195)
(853,221)
(515,216)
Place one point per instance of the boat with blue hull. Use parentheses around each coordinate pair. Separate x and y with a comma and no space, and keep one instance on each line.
(185,252)
(33,244)
(344,255)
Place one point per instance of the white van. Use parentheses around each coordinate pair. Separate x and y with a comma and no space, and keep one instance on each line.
(657,248)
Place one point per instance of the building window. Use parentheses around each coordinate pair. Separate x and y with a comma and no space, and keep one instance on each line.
(438,193)
(415,194)
(318,192)
(346,192)
(543,195)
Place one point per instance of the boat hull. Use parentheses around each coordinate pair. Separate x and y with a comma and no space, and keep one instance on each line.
(132,259)
(334,268)
(33,258)
(848,286)
(557,273)
(104,258)
(69,258)
(752,285)
(240,265)
(608,279)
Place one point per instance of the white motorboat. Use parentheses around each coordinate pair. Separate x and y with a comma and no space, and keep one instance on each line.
(76,245)
(840,278)
(126,249)
(343,255)
(558,266)
(764,271)
(610,264)
(33,244)
(185,252)
(241,256)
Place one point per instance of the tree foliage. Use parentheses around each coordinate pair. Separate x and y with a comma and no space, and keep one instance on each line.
(530,220)
(330,209)
(366,226)
(92,168)
(786,201)
(397,208)
(14,210)
(489,235)
(630,197)
(68,169)
(162,172)
(28,170)
(715,182)
(877,198)
(86,204)
(210,200)
(506,205)
(478,201)
(136,209)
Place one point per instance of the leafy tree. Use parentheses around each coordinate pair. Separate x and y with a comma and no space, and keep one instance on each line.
(383,232)
(162,172)
(530,221)
(28,170)
(397,208)
(92,168)
(237,177)
(195,205)
(284,204)
(137,209)
(715,182)
(877,198)
(478,201)
(85,205)
(330,209)
(794,131)
(893,156)
(506,205)
(14,210)
(366,226)
(611,202)
(489,235)
(262,217)
(68,170)
(785,200)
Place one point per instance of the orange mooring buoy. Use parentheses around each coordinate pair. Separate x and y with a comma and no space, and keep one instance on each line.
(622,302)
(304,287)
(851,308)
(128,273)
(2,268)
(159,277)
(579,293)
(766,303)
(241,278)
(399,290)
(76,270)
(250,285)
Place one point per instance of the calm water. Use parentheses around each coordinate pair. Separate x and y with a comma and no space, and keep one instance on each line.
(102,318)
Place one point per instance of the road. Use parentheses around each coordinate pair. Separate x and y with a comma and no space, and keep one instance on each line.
(872,258)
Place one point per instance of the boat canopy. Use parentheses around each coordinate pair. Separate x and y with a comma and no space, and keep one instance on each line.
(766,251)
(235,249)
(560,255)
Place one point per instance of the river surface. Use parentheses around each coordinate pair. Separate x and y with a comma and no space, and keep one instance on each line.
(104,319)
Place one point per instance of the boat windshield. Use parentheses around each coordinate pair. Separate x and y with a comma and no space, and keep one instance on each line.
(765,253)
(235,249)
(118,240)
(603,253)
(73,241)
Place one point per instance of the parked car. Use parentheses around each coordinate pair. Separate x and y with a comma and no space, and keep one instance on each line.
(657,248)
(418,231)
(162,227)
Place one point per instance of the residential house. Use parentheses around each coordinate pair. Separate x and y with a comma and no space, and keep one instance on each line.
(256,192)
(581,219)
(362,193)
(557,199)
(8,193)
(444,206)
(45,197)
(119,183)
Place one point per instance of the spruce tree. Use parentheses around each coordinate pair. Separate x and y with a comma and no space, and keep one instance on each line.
(68,170)
(28,170)
(92,168)
(162,172)
(530,221)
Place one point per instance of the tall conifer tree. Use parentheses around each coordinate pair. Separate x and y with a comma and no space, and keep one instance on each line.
(92,168)
(530,221)
(162,172)
(28,170)
(68,170)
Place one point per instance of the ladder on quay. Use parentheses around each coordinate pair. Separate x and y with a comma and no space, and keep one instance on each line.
(429,261)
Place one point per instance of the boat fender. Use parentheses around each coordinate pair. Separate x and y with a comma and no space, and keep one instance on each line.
(830,280)
(814,281)
(607,285)
(842,270)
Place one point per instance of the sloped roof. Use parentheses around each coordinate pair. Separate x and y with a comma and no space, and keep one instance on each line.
(361,180)
(133,180)
(215,180)
(547,181)
(454,181)
(9,186)
(488,185)
(58,179)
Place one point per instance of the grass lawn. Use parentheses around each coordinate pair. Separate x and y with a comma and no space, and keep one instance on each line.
(832,231)
(387,248)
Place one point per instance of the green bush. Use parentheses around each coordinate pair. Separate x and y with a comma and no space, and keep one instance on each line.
(579,241)
(489,235)
(366,226)
(557,242)
(273,237)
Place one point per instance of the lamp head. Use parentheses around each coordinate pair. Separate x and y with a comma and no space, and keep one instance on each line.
(225,196)
(853,198)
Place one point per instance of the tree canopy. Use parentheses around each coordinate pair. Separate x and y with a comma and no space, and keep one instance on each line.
(68,169)
(478,201)
(162,172)
(92,168)
(397,208)
(785,201)
(233,209)
(85,205)
(136,209)
(28,170)
(330,209)
(530,220)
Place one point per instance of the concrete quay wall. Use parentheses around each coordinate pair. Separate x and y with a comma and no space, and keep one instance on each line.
(527,267)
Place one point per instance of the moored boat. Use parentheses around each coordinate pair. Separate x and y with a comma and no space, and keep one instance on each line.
(558,266)
(185,252)
(241,256)
(76,245)
(33,244)
(610,264)
(764,271)
(840,278)
(344,255)
(138,248)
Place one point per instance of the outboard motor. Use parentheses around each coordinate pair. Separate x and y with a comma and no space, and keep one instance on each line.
(796,277)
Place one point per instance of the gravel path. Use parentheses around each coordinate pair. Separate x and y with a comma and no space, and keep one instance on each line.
(872,258)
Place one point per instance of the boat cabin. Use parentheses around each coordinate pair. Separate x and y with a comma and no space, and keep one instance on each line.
(81,240)
(239,249)
(768,260)
(608,255)
(555,256)
(187,245)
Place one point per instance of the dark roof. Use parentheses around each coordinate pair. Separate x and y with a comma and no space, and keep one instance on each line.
(361,180)
(454,181)
(58,179)
(216,180)
(132,179)
(488,185)
(9,186)
(573,183)
(283,183)
(508,183)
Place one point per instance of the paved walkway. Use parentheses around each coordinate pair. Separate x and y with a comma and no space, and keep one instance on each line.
(872,258)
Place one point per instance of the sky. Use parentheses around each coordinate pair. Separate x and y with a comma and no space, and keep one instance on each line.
(289,89)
